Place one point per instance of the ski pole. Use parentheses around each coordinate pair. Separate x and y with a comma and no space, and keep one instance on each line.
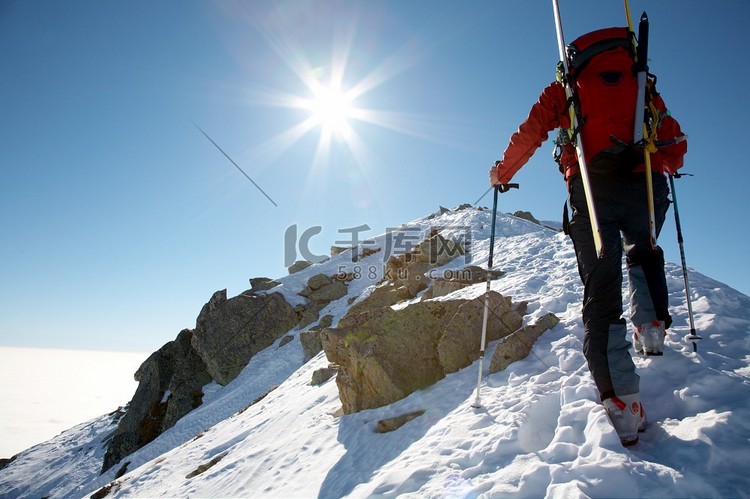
(498,188)
(692,336)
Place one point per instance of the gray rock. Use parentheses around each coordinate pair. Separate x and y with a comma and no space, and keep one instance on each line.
(329,292)
(518,345)
(170,385)
(406,275)
(393,424)
(454,279)
(228,332)
(387,354)
(384,355)
(298,265)
(310,340)
(320,291)
(526,215)
(442,287)
(262,284)
(308,314)
(286,340)
(5,461)
(462,336)
(325,321)
(311,344)
(318,281)
(337,250)
(322,375)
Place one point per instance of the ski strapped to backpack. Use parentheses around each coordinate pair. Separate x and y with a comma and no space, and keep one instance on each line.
(647,118)
(641,135)
(575,119)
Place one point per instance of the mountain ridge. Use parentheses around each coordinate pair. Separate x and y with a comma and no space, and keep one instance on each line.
(540,433)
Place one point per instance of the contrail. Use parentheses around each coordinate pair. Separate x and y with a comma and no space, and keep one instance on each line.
(235,164)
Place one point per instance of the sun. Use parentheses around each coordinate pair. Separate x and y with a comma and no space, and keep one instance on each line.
(331,108)
(331,102)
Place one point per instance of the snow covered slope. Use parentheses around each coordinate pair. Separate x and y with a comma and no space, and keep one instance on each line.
(541,432)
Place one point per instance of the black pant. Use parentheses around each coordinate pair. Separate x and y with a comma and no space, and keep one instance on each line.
(621,202)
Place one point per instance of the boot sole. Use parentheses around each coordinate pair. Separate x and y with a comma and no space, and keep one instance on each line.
(649,354)
(629,443)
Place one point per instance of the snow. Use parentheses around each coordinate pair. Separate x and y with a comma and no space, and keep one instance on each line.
(539,433)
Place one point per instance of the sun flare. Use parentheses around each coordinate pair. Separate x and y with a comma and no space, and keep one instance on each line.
(331,108)
(332,104)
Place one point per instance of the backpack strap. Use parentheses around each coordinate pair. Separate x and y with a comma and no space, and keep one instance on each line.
(579,58)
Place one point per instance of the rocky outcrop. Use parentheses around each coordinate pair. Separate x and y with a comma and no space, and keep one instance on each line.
(310,339)
(262,284)
(228,332)
(379,354)
(455,279)
(526,215)
(298,265)
(394,423)
(323,374)
(385,354)
(518,345)
(442,210)
(6,461)
(320,291)
(409,271)
(170,386)
(460,341)
(408,274)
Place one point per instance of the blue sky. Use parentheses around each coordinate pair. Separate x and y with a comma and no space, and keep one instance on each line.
(119,218)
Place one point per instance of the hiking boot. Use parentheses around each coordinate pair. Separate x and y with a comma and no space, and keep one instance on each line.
(648,339)
(628,417)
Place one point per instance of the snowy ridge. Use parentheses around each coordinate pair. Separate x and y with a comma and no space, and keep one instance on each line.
(541,432)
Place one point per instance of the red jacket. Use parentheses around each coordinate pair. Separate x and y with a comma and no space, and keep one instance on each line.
(550,113)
